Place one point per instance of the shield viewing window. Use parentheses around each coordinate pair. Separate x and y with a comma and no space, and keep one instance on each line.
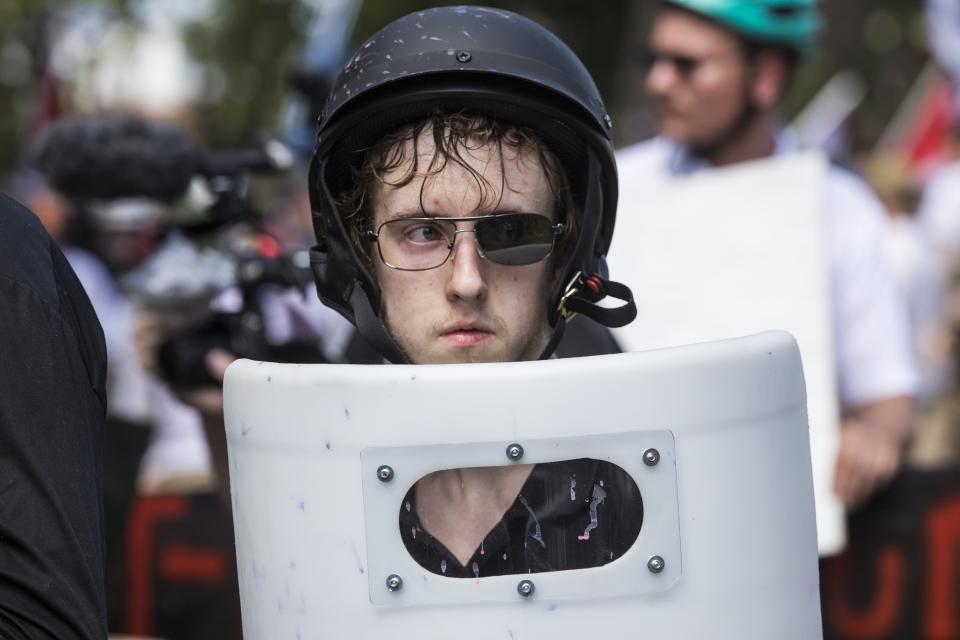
(573,514)
(606,505)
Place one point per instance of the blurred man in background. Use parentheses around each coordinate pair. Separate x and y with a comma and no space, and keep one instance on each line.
(718,71)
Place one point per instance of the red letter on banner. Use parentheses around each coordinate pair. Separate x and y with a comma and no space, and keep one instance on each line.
(943,597)
(884,611)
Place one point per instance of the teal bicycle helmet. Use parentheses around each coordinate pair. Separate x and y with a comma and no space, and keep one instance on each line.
(790,23)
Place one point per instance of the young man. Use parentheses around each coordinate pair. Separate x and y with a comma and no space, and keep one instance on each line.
(464,193)
(718,71)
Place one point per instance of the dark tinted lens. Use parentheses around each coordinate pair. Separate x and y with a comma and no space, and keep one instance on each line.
(516,239)
(684,65)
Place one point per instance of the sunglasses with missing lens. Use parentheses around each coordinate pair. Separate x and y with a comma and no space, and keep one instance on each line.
(421,243)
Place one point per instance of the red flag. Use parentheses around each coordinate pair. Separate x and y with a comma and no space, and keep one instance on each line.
(927,142)
(921,131)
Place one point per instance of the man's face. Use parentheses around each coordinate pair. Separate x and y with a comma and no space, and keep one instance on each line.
(469,309)
(697,78)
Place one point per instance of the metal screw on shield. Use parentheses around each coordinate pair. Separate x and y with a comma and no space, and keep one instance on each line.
(385,473)
(514,451)
(651,457)
(464,56)
(394,582)
(656,564)
(526,588)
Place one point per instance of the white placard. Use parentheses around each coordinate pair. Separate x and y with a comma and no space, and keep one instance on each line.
(731,252)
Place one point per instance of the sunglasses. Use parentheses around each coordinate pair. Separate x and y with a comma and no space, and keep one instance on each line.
(684,66)
(422,243)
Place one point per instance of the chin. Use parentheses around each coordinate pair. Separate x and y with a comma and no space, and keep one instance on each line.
(474,356)
(674,130)
(442,354)
(470,355)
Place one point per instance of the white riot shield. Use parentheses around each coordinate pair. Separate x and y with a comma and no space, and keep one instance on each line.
(732,252)
(714,435)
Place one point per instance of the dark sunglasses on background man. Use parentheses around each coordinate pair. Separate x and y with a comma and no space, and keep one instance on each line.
(684,66)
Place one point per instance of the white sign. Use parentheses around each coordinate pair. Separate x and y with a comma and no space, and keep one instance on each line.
(731,252)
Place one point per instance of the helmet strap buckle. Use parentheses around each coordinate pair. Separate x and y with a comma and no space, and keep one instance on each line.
(572,289)
(582,294)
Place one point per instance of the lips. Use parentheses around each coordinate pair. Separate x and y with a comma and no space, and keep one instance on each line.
(465,334)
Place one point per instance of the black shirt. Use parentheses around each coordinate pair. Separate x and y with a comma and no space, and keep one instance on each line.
(574,514)
(52,407)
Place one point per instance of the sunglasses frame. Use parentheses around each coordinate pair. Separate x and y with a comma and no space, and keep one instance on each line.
(374,236)
(684,66)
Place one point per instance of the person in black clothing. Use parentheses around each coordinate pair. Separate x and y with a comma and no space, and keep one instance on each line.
(574,514)
(464,192)
(52,411)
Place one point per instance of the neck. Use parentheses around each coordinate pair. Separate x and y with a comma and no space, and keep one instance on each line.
(755,140)
(459,507)
(476,485)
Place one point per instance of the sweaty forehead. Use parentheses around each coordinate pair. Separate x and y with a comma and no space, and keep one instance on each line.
(476,179)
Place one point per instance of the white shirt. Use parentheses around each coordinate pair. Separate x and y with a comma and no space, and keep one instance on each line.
(922,286)
(177,445)
(939,213)
(127,383)
(873,354)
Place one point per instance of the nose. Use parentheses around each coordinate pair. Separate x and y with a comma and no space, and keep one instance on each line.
(466,280)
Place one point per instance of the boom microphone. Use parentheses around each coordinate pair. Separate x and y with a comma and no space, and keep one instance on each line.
(121,157)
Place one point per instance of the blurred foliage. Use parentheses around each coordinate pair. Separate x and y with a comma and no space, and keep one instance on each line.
(887,50)
(247,49)
(24,29)
(598,37)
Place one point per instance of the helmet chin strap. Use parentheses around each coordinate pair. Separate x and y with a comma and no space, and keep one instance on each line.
(555,337)
(584,290)
(373,330)
(581,297)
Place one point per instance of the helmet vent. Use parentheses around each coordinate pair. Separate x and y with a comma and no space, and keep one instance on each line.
(785,11)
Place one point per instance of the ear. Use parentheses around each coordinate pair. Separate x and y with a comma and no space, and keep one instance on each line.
(769,79)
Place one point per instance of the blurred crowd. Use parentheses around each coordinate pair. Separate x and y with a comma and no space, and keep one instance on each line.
(192,258)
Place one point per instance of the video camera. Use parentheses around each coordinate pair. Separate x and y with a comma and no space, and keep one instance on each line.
(212,240)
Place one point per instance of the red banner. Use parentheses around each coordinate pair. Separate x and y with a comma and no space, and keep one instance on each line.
(900,575)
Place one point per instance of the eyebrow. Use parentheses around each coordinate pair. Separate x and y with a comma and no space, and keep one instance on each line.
(407,214)
(423,214)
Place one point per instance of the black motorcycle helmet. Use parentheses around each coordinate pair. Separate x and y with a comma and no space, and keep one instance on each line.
(479,60)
